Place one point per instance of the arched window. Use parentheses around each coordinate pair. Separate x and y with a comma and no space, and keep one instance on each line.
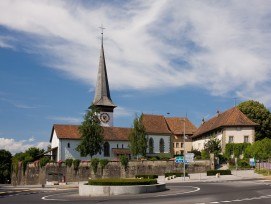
(106,149)
(151,146)
(162,145)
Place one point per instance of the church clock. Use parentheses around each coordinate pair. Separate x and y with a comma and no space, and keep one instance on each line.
(104,117)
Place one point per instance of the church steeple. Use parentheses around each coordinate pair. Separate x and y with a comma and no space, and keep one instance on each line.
(102,97)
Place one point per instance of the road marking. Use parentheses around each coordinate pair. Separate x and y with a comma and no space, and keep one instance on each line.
(196,189)
(239,200)
(47,197)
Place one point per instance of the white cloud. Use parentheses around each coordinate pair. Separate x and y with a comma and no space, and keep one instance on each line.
(122,112)
(220,46)
(20,146)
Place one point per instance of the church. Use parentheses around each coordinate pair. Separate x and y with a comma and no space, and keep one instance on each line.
(168,136)
(161,132)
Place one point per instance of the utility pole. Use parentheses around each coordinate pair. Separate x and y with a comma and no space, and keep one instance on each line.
(184,149)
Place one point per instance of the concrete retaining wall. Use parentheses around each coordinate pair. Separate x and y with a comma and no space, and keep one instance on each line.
(92,190)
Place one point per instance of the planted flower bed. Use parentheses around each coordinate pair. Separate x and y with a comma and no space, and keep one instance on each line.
(122,182)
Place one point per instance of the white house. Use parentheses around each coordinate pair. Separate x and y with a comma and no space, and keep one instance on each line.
(231,126)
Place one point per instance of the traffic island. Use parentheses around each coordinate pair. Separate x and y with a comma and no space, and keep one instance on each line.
(120,187)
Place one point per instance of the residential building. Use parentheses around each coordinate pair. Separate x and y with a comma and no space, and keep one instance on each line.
(231,126)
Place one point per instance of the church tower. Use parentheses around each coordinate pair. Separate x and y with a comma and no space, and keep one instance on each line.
(102,99)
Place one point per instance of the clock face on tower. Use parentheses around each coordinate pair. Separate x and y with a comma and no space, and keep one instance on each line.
(104,117)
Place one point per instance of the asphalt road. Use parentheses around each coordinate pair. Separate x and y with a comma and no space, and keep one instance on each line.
(246,192)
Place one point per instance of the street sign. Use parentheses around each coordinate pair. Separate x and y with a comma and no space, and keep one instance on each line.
(189,157)
(179,159)
(252,162)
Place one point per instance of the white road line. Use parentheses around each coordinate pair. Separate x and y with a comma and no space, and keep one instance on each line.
(47,197)
(196,189)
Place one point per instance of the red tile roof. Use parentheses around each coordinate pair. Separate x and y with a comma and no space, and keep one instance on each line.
(232,117)
(72,132)
(176,125)
(155,124)
(121,151)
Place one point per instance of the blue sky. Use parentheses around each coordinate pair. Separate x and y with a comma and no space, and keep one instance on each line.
(163,56)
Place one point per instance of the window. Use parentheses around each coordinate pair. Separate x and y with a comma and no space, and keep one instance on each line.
(231,139)
(246,139)
(122,146)
(68,145)
(162,145)
(117,146)
(106,149)
(177,144)
(182,145)
(151,146)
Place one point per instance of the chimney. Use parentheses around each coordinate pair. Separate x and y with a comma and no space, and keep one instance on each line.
(217,113)
(202,121)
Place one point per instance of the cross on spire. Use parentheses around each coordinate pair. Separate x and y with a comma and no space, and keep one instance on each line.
(102,29)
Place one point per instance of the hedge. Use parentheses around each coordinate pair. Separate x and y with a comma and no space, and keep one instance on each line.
(176,174)
(221,172)
(145,176)
(121,182)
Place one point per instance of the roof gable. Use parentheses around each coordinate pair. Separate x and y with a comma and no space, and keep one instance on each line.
(177,125)
(232,117)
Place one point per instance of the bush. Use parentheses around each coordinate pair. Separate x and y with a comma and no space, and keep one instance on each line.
(243,164)
(221,172)
(103,163)
(176,174)
(124,161)
(145,176)
(76,164)
(122,182)
(44,161)
(153,159)
(94,164)
(68,162)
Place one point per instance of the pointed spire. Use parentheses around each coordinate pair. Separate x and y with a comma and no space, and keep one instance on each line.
(102,92)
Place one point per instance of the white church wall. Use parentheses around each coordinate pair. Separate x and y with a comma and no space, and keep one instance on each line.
(156,143)
(55,143)
(69,151)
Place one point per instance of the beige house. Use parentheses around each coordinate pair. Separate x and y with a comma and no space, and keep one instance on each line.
(231,126)
(180,127)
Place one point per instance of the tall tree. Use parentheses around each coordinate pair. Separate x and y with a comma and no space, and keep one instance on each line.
(258,113)
(261,149)
(137,138)
(91,134)
(5,166)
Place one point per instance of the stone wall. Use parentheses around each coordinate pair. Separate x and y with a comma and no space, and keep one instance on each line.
(61,173)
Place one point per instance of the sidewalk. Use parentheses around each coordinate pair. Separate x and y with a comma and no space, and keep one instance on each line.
(236,175)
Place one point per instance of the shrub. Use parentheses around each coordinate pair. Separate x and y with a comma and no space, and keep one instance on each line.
(153,159)
(44,161)
(68,162)
(145,176)
(121,182)
(243,164)
(94,164)
(221,172)
(76,164)
(103,163)
(176,174)
(124,161)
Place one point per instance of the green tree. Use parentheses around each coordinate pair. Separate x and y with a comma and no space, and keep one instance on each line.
(261,149)
(259,114)
(213,146)
(137,138)
(5,166)
(91,134)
